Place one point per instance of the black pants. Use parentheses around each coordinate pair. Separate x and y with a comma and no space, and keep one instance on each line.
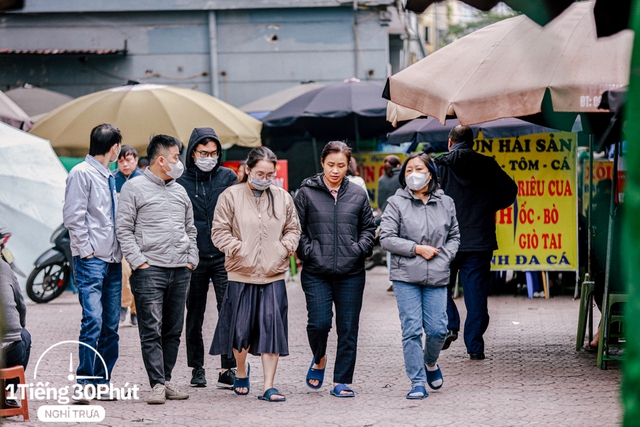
(475,276)
(17,354)
(208,270)
(321,293)
(160,295)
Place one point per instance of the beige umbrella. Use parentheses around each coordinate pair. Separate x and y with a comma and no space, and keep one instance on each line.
(141,111)
(503,70)
(12,114)
(36,101)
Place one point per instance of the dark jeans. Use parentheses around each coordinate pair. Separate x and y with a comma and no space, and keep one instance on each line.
(17,354)
(321,293)
(160,295)
(475,276)
(99,291)
(208,270)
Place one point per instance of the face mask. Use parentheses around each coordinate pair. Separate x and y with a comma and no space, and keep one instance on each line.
(175,170)
(260,184)
(206,164)
(417,181)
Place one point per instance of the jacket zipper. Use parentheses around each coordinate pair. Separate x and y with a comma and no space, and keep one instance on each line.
(335,232)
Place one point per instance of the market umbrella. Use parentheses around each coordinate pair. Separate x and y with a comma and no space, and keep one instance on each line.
(36,101)
(260,108)
(143,110)
(504,70)
(432,131)
(351,109)
(12,114)
(31,194)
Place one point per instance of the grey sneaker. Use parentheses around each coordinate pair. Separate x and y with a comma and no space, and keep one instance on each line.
(172,393)
(134,320)
(123,314)
(158,394)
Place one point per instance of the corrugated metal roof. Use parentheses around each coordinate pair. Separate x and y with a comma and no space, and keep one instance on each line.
(63,51)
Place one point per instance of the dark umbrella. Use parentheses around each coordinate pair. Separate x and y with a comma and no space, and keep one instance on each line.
(352,109)
(430,130)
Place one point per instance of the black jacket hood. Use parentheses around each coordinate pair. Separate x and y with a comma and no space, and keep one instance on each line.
(197,136)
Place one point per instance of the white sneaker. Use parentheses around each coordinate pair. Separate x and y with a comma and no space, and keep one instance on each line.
(157,396)
(80,398)
(172,393)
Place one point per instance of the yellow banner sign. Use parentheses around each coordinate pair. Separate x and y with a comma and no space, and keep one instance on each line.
(371,167)
(540,230)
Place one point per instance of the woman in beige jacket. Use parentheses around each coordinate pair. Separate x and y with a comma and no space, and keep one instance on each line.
(256,226)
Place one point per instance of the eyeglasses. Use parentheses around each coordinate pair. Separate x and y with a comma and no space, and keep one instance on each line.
(201,153)
(260,175)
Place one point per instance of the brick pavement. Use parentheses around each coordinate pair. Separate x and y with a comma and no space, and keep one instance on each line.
(532,375)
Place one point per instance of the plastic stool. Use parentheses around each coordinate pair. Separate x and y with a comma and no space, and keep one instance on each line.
(10,373)
(586,310)
(613,331)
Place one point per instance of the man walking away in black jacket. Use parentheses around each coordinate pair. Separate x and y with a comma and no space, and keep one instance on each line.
(205,179)
(479,188)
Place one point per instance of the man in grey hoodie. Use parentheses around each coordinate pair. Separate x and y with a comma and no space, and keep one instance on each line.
(158,238)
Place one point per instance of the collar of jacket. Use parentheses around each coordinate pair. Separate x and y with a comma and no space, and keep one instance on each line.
(99,166)
(459,146)
(156,179)
(317,181)
(434,197)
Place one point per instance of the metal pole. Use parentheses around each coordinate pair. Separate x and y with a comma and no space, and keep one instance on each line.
(213,53)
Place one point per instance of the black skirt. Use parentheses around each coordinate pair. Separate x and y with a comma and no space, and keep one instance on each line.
(253,317)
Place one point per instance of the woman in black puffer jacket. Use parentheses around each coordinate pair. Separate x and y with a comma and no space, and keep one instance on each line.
(337,235)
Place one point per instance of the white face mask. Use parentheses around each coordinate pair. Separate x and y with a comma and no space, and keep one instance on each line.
(206,164)
(260,184)
(175,170)
(417,181)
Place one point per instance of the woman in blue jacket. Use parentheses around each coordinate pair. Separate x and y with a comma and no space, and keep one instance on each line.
(420,229)
(337,235)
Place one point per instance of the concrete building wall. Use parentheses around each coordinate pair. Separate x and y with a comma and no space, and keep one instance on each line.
(257,51)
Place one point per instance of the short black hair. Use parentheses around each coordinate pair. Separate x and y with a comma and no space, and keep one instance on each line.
(433,184)
(393,160)
(143,162)
(462,133)
(127,150)
(161,142)
(103,137)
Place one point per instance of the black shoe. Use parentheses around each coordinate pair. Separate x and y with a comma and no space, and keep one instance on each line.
(476,356)
(123,314)
(226,378)
(197,378)
(12,403)
(134,320)
(451,337)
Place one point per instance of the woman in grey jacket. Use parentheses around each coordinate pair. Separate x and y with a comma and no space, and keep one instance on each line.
(420,229)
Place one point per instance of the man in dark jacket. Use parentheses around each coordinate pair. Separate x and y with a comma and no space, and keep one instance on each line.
(205,179)
(388,183)
(479,188)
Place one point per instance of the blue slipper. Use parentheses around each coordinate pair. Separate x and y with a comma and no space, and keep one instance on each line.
(242,382)
(268,395)
(315,374)
(418,392)
(433,376)
(337,391)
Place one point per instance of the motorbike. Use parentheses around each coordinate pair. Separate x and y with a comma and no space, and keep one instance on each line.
(6,254)
(53,271)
